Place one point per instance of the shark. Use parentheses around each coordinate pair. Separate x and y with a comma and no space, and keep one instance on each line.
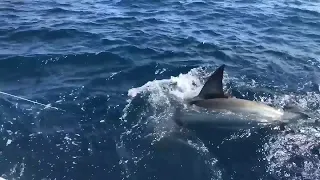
(214,106)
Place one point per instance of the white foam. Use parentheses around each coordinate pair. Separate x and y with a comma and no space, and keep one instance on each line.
(292,154)
(185,85)
(9,141)
(155,119)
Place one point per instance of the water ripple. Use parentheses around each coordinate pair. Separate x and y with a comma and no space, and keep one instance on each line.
(87,57)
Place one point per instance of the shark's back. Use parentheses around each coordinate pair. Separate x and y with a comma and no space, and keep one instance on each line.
(238,111)
(242,106)
(212,97)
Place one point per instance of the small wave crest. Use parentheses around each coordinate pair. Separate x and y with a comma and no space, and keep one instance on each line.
(47,34)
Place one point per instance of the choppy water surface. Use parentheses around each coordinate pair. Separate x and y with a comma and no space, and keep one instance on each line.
(119,68)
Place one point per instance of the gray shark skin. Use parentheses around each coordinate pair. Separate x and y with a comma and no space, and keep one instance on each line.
(226,111)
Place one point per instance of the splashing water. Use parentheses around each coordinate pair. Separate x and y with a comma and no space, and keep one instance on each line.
(152,104)
(147,120)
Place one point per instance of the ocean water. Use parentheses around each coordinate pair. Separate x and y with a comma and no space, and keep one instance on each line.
(117,69)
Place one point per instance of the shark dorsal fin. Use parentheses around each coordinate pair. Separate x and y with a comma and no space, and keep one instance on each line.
(213,88)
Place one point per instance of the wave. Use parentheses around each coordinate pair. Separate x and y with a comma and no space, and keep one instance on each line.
(47,34)
(87,60)
(59,69)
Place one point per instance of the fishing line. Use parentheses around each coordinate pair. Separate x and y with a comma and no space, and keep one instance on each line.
(18,97)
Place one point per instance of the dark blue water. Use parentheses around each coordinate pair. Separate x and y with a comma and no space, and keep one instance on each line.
(119,68)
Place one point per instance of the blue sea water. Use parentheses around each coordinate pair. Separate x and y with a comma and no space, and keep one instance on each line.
(119,68)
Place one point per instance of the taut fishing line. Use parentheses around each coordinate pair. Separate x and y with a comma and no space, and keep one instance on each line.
(45,105)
